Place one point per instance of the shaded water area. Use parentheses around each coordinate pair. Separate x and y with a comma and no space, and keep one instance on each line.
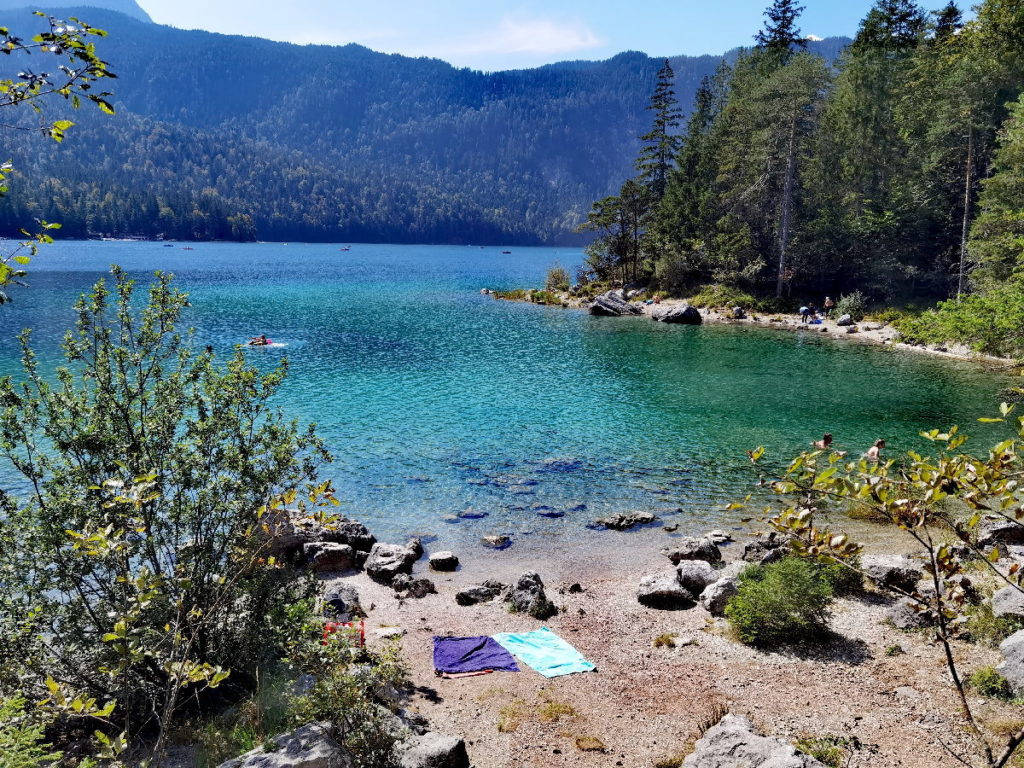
(436,400)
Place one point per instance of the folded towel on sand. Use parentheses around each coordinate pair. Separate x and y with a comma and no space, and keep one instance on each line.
(545,652)
(458,655)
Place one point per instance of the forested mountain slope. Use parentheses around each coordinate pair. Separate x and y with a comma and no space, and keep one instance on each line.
(226,136)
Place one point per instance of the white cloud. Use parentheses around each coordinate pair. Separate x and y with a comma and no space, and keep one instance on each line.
(537,36)
(814,38)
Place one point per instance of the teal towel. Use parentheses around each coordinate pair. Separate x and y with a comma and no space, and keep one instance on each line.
(545,652)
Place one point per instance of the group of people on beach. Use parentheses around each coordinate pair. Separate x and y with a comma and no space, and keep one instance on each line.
(873,454)
(811,314)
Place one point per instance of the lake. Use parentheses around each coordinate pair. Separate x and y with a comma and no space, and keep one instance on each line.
(436,399)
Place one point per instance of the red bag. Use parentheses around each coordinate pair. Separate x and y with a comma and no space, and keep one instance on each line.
(333,626)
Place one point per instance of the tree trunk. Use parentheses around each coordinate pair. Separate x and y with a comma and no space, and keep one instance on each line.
(968,176)
(787,203)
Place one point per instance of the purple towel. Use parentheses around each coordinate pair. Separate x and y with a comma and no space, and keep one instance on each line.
(453,655)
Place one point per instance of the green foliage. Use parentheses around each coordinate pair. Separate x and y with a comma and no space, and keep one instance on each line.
(155,480)
(988,682)
(558,279)
(719,296)
(854,304)
(983,626)
(828,750)
(991,322)
(894,650)
(781,603)
(22,744)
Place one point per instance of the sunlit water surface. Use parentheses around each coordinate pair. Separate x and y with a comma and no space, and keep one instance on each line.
(435,399)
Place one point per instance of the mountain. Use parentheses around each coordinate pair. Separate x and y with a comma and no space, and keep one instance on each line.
(59,8)
(236,137)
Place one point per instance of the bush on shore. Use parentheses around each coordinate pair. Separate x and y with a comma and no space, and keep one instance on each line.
(781,603)
(558,278)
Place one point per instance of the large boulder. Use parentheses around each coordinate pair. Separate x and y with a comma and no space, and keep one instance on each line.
(611,304)
(734,743)
(481,593)
(1003,532)
(432,750)
(716,596)
(695,575)
(765,550)
(691,548)
(1012,666)
(341,601)
(290,529)
(664,592)
(622,521)
(311,746)
(528,597)
(891,571)
(845,321)
(678,315)
(906,613)
(329,556)
(443,561)
(406,586)
(1009,602)
(388,560)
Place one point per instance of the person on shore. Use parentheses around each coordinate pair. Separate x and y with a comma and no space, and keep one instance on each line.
(824,443)
(805,314)
(813,311)
(875,451)
(828,306)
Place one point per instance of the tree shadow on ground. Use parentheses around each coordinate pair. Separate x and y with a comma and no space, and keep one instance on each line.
(829,647)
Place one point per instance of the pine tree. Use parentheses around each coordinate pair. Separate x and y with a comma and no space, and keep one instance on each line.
(892,25)
(661,143)
(780,33)
(948,21)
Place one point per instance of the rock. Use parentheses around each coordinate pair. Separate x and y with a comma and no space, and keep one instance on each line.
(611,304)
(671,528)
(624,521)
(433,750)
(328,556)
(891,571)
(415,546)
(717,595)
(341,601)
(1009,602)
(1012,666)
(719,537)
(443,561)
(738,313)
(575,588)
(664,592)
(768,549)
(388,560)
(853,329)
(1001,532)
(290,529)
(311,746)
(471,514)
(690,548)
(695,575)
(677,315)
(407,586)
(480,593)
(906,614)
(844,321)
(734,743)
(528,597)
(496,542)
(388,633)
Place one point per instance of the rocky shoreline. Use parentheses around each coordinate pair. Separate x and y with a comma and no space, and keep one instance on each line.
(672,687)
(616,304)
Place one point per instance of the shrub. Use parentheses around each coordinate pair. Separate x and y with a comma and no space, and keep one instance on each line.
(828,750)
(722,296)
(853,304)
(784,602)
(988,682)
(983,626)
(843,580)
(558,278)
(894,650)
(21,737)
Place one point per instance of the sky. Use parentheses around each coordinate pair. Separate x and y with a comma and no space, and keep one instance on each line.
(496,34)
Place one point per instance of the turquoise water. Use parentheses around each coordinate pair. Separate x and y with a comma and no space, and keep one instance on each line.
(435,399)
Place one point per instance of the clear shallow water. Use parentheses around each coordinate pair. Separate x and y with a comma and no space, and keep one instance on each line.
(435,399)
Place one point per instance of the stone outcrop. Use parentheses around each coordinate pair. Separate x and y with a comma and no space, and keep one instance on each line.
(386,561)
(664,592)
(341,601)
(717,595)
(908,614)
(443,561)
(311,746)
(291,529)
(406,586)
(677,315)
(1012,666)
(891,571)
(691,548)
(734,743)
(624,520)
(528,597)
(611,304)
(1009,602)
(329,556)
(695,575)
(481,593)
(765,550)
(1001,532)
(496,542)
(432,750)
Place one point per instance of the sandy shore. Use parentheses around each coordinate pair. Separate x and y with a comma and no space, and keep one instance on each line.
(644,704)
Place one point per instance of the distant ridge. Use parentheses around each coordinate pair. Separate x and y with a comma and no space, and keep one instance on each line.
(127,7)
